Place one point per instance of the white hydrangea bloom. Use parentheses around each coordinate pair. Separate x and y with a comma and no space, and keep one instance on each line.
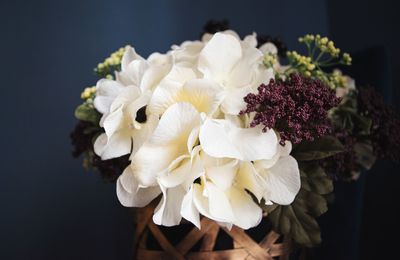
(194,149)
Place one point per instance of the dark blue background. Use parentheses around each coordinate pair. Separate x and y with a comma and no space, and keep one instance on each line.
(50,207)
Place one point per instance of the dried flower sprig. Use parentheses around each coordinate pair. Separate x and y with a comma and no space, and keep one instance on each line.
(321,55)
(112,63)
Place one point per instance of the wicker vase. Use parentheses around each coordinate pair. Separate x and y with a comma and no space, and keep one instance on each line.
(211,242)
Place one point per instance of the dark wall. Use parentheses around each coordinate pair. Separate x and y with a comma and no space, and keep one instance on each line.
(357,25)
(370,29)
(50,207)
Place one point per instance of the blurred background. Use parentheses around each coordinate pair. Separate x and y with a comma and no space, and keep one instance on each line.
(52,209)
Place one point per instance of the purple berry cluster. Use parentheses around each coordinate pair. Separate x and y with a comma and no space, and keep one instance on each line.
(297,108)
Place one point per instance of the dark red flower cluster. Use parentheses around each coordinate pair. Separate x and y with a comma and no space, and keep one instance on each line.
(81,138)
(385,129)
(297,108)
(110,169)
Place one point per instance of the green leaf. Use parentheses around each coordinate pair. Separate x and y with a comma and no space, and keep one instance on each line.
(314,179)
(87,112)
(318,149)
(295,221)
(347,117)
(298,219)
(363,124)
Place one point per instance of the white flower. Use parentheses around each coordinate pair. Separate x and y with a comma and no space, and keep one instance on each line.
(280,176)
(219,196)
(120,124)
(236,66)
(119,102)
(174,137)
(182,85)
(194,149)
(166,160)
(187,53)
(269,48)
(222,138)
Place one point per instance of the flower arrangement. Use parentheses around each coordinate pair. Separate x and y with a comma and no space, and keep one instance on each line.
(231,129)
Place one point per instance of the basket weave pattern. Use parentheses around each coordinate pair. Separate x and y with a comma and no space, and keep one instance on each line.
(244,247)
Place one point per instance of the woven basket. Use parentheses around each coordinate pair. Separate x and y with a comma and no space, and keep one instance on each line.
(211,242)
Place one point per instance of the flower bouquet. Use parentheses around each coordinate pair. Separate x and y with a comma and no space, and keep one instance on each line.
(224,133)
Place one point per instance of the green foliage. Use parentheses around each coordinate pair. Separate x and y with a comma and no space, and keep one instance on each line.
(347,117)
(318,149)
(87,112)
(298,219)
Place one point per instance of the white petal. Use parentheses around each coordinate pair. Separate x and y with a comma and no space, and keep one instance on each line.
(106,92)
(206,37)
(286,149)
(133,107)
(247,213)
(177,173)
(153,76)
(256,144)
(219,56)
(129,56)
(221,138)
(117,145)
(129,193)
(203,94)
(219,205)
(248,178)
(193,138)
(282,151)
(135,71)
(231,33)
(159,59)
(176,124)
(215,140)
(168,142)
(151,161)
(127,95)
(113,121)
(187,53)
(167,91)
(168,211)
(182,171)
(233,101)
(251,40)
(245,70)
(263,75)
(222,172)
(143,134)
(269,47)
(283,180)
(215,205)
(189,210)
